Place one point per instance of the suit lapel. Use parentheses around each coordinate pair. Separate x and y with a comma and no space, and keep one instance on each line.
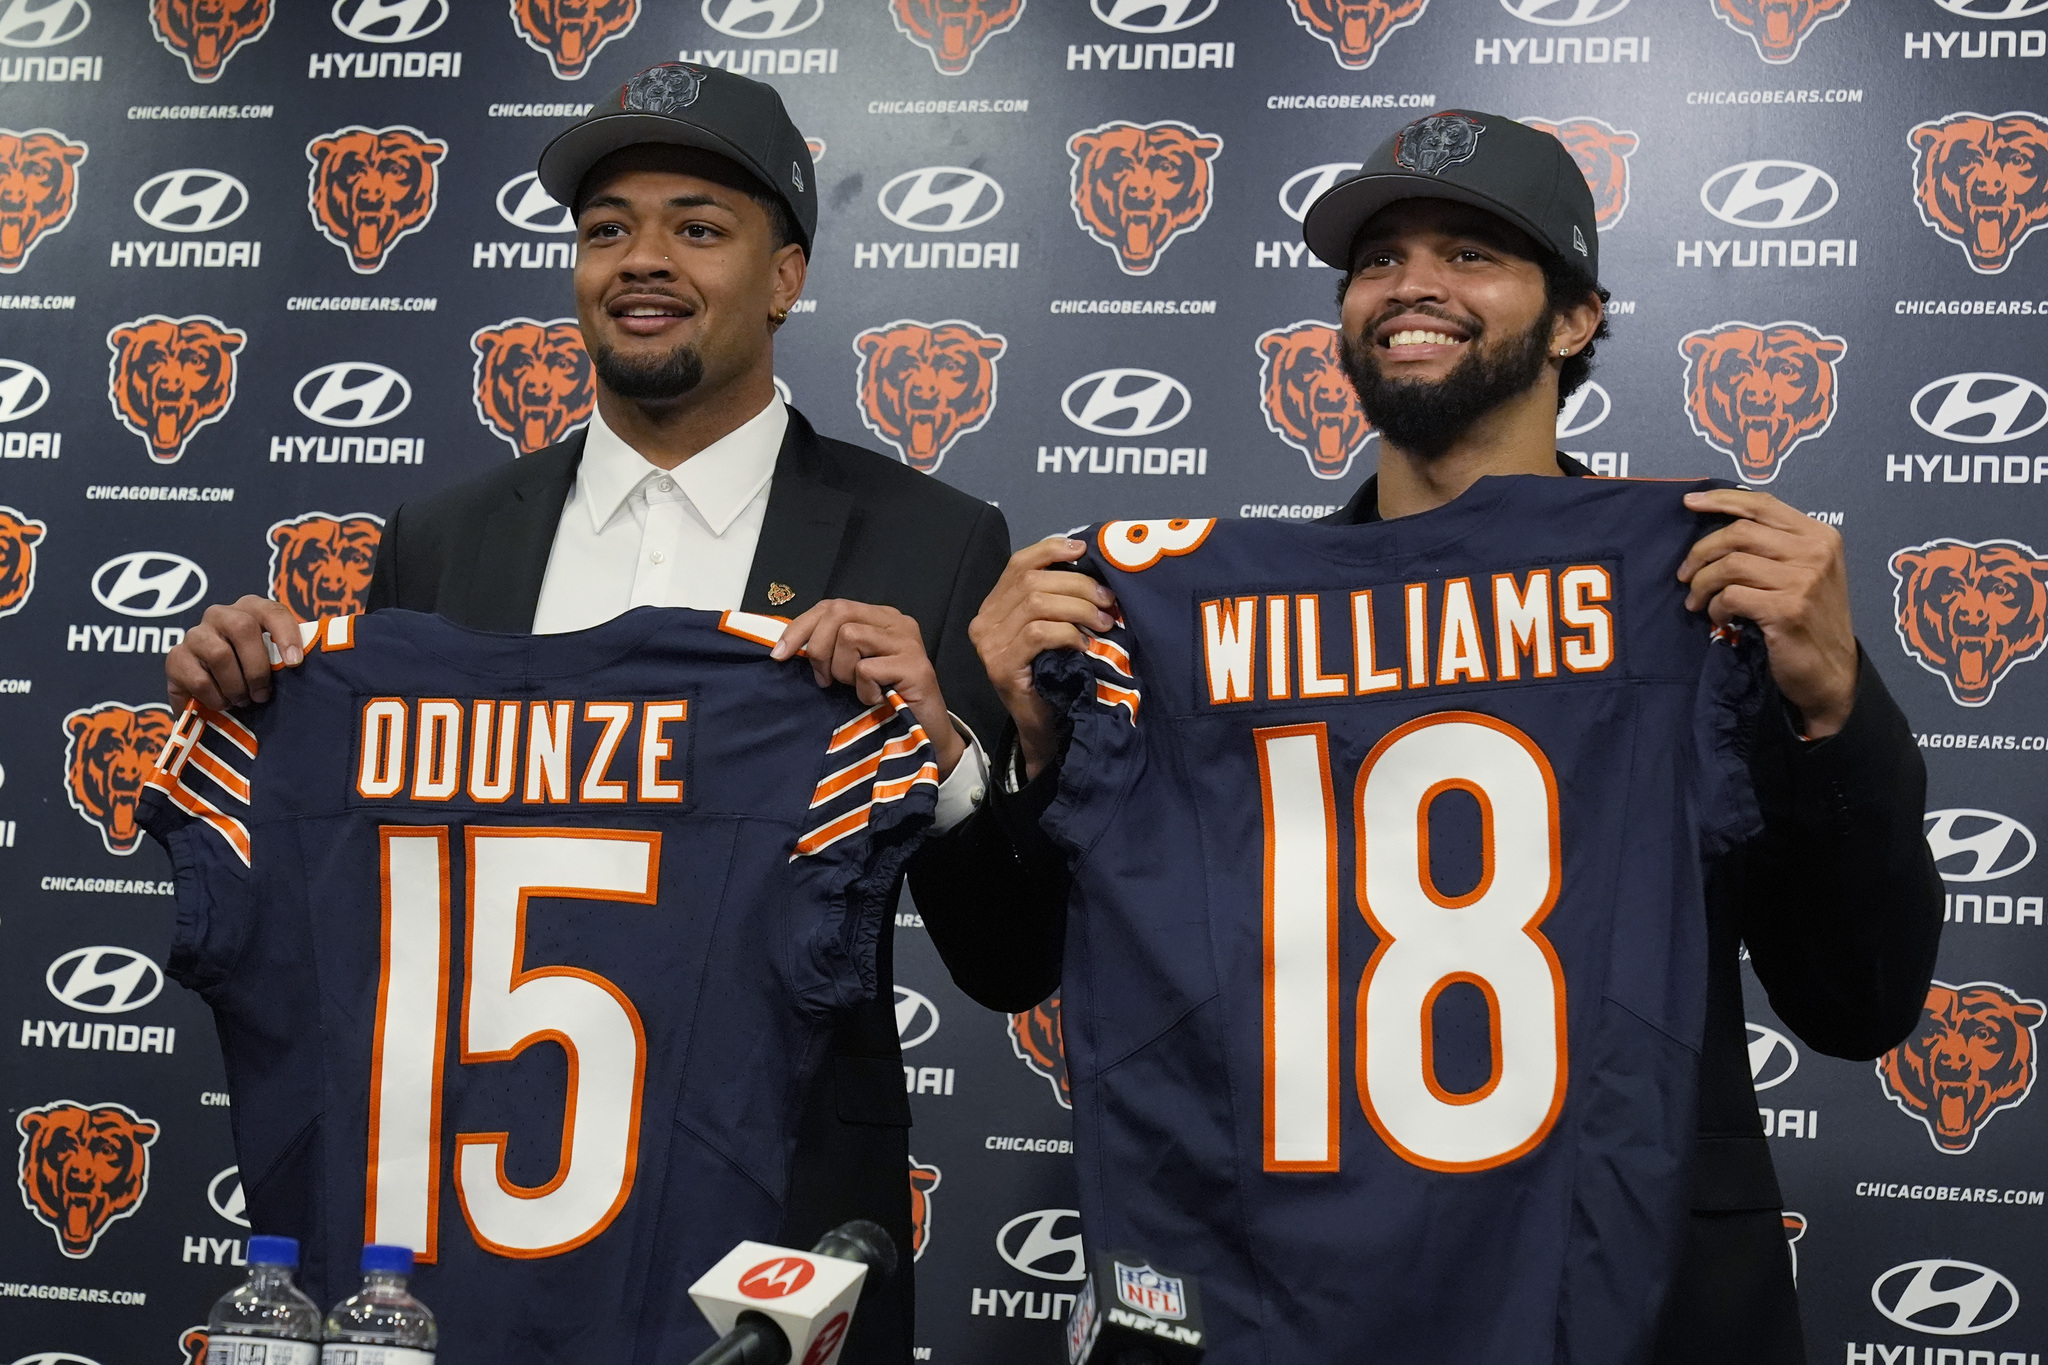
(517,536)
(800,535)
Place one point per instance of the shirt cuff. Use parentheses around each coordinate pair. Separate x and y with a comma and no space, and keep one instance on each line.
(961,794)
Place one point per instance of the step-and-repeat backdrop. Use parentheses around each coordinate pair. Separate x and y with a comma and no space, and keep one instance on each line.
(268,268)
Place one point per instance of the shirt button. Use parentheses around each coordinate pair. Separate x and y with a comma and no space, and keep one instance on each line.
(667,486)
(656,557)
(974,797)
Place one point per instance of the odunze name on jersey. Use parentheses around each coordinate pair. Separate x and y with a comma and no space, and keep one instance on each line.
(530,752)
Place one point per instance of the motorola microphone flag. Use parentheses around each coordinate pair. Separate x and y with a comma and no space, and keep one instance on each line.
(771,1305)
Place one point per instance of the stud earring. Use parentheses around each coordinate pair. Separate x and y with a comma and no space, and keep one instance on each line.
(779,317)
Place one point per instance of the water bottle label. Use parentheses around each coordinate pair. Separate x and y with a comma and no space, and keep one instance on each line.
(225,1350)
(334,1353)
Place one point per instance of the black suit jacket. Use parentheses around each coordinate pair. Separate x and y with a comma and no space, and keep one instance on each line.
(841,522)
(1837,901)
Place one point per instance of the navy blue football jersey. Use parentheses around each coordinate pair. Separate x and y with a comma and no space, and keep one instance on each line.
(1386,954)
(522,949)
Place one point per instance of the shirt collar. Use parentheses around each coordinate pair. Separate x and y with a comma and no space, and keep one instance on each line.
(719,480)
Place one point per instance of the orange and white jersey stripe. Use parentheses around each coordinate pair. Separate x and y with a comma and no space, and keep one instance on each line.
(878,757)
(203,770)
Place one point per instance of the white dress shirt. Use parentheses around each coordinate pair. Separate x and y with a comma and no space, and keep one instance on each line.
(635,535)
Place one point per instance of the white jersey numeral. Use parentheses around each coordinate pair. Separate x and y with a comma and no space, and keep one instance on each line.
(1488,938)
(506,1007)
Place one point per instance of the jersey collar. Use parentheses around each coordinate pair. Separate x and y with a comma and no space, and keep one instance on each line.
(1364,506)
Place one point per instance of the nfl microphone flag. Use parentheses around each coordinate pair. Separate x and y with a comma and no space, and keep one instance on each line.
(1132,1309)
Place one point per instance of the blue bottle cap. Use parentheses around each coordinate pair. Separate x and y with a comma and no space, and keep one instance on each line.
(282,1251)
(387,1260)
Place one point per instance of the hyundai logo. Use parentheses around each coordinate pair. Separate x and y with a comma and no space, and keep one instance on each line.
(23,389)
(1563,13)
(1126,402)
(25,23)
(1977,845)
(1030,1243)
(1993,9)
(149,583)
(104,980)
(1769,194)
(56,1357)
(1772,1058)
(389,21)
(1981,408)
(940,199)
(1155,16)
(1303,188)
(224,1192)
(190,200)
(759,19)
(352,393)
(917,1018)
(524,204)
(1945,1298)
(1585,409)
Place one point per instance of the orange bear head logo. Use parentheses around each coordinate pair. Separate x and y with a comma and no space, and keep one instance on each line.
(1982,182)
(1036,1038)
(925,385)
(1309,401)
(1972,1056)
(205,33)
(954,30)
(1754,393)
(570,32)
(19,536)
(170,377)
(108,752)
(371,186)
(1355,29)
(1602,151)
(192,1346)
(923,1180)
(1139,186)
(38,189)
(1970,613)
(533,381)
(82,1167)
(320,564)
(1777,27)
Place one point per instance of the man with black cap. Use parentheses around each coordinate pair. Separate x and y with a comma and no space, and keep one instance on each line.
(1470,308)
(695,486)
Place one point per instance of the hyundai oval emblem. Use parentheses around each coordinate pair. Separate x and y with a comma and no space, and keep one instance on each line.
(149,583)
(940,199)
(23,23)
(1769,194)
(1031,1242)
(352,393)
(1303,188)
(1126,402)
(1563,13)
(1945,1298)
(1156,16)
(1585,409)
(224,1193)
(1772,1057)
(525,205)
(191,200)
(1981,408)
(1994,9)
(104,979)
(1977,845)
(23,389)
(759,19)
(389,21)
(917,1018)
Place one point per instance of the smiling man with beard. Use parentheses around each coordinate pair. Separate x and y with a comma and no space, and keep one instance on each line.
(1470,307)
(694,485)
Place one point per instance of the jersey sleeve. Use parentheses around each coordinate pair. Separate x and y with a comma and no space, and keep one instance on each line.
(868,814)
(1734,692)
(196,802)
(1098,696)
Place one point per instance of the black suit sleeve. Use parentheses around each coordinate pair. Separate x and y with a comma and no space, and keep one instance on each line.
(384,568)
(1838,897)
(969,694)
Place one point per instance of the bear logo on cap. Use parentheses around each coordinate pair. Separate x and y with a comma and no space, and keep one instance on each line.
(662,89)
(1434,144)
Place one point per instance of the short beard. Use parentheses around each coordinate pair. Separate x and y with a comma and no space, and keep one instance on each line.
(1426,419)
(670,377)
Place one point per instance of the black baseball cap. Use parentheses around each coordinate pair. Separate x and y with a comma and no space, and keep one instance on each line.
(686,105)
(1489,162)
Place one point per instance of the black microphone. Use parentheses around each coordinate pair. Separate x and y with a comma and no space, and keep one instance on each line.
(1135,1312)
(771,1302)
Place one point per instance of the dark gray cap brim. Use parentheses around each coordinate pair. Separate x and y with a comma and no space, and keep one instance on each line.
(1334,221)
(567,159)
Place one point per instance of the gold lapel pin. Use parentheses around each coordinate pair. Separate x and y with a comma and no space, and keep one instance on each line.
(779,593)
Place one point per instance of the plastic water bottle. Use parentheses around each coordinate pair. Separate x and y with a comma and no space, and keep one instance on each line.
(381,1324)
(265,1320)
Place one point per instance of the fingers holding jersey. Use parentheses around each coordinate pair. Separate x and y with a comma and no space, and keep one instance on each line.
(1784,571)
(222,663)
(1036,606)
(875,650)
